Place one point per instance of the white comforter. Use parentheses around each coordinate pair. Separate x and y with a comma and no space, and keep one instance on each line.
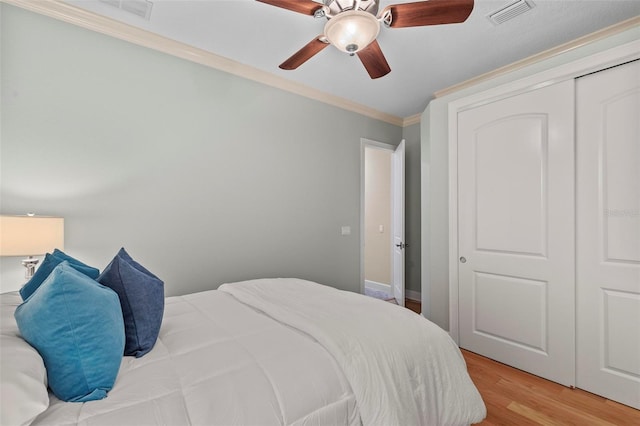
(403,369)
(281,352)
(220,362)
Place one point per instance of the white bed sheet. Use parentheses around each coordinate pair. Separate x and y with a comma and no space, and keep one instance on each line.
(220,362)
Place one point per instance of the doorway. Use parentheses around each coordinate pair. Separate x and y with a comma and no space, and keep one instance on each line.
(382,220)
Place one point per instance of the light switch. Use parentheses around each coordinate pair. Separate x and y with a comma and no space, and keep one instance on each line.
(345,230)
(381,229)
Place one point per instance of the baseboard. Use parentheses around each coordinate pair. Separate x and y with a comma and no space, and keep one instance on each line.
(374,285)
(408,294)
(413,295)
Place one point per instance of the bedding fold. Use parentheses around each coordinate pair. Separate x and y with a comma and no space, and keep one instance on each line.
(402,368)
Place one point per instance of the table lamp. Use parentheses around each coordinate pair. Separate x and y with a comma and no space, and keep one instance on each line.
(30,235)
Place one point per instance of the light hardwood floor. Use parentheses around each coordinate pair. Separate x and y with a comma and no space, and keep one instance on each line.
(514,397)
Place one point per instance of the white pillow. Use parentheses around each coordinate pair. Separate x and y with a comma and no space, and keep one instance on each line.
(23,377)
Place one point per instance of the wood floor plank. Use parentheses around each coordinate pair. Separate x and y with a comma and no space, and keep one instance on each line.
(498,411)
(534,415)
(548,406)
(413,305)
(593,404)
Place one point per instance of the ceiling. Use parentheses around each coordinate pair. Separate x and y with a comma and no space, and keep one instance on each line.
(423,60)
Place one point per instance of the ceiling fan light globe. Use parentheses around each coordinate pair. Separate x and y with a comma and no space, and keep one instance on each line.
(352,31)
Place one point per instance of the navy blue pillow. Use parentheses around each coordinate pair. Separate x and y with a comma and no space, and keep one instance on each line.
(76,326)
(142,299)
(49,264)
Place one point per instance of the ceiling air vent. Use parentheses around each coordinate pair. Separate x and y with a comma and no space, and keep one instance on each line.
(142,8)
(510,11)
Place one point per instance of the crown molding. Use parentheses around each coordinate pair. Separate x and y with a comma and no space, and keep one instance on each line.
(71,14)
(547,54)
(414,119)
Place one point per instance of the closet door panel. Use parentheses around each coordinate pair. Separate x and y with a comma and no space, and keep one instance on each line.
(511,213)
(516,240)
(608,233)
(620,154)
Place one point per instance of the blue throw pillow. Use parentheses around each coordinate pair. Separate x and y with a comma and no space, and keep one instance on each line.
(48,264)
(142,299)
(76,326)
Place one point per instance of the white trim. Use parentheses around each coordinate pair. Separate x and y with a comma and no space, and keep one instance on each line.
(416,296)
(550,53)
(74,15)
(374,285)
(371,144)
(453,226)
(409,121)
(598,61)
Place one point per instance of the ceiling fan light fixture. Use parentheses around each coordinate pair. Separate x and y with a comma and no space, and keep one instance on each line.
(352,31)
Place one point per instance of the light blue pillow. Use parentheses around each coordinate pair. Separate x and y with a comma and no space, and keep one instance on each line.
(141,298)
(76,326)
(48,264)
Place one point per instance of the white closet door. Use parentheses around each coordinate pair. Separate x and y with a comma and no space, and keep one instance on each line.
(516,231)
(608,233)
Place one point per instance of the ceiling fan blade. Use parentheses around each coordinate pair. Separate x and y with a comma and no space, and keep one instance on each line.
(374,61)
(431,12)
(304,54)
(306,7)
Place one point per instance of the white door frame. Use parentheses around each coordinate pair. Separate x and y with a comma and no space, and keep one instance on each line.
(371,144)
(614,56)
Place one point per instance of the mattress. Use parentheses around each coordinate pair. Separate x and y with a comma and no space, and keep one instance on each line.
(280,352)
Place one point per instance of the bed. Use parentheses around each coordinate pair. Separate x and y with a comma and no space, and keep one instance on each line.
(265,352)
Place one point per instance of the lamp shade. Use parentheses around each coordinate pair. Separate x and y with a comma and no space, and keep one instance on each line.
(352,31)
(30,235)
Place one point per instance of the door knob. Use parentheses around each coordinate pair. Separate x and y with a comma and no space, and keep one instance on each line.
(463,260)
(401,245)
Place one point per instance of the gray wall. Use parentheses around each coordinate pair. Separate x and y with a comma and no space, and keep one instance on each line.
(204,177)
(435,175)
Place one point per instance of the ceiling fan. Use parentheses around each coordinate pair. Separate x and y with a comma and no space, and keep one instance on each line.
(353,26)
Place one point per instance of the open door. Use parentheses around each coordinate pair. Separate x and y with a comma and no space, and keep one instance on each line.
(397,199)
